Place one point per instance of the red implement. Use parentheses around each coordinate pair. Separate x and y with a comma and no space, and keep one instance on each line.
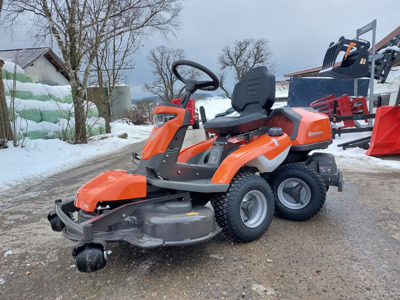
(345,106)
(385,139)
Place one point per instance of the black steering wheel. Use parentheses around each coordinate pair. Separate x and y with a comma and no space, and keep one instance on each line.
(192,85)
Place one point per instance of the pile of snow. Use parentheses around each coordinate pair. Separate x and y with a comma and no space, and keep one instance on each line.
(391,85)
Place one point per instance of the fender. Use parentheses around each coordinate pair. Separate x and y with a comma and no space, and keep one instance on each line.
(270,147)
(111,185)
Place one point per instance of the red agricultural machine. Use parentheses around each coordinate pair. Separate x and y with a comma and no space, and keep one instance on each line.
(191,107)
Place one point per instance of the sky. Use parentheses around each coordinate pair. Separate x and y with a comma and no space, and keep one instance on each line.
(38,159)
(299,31)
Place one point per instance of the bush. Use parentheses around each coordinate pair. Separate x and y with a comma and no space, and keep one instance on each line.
(142,112)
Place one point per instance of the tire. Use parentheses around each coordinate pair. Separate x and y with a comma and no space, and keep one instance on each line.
(245,211)
(90,259)
(196,124)
(299,191)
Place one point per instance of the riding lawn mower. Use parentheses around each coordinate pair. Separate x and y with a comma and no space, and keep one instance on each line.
(252,166)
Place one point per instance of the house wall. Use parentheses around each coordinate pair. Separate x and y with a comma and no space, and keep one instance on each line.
(44,71)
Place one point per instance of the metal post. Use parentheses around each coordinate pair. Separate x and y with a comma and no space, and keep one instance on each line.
(361,31)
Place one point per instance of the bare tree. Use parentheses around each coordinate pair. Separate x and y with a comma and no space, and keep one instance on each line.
(164,84)
(242,57)
(113,58)
(6,133)
(79,27)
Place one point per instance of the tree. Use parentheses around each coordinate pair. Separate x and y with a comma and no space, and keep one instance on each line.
(6,133)
(79,27)
(5,126)
(242,57)
(164,84)
(113,57)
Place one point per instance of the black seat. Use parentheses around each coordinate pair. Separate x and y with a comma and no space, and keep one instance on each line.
(252,97)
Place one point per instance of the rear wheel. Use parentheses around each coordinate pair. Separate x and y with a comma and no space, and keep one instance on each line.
(299,191)
(245,211)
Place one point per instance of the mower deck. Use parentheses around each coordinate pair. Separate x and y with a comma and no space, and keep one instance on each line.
(145,224)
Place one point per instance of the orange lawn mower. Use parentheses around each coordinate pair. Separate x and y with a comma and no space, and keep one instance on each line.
(254,165)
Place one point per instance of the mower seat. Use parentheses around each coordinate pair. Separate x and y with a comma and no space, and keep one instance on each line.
(252,97)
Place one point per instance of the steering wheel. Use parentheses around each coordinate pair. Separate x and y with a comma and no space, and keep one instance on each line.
(192,85)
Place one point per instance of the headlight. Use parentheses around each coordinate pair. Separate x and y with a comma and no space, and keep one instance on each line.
(160,119)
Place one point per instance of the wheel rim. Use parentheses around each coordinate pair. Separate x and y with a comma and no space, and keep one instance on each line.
(253,209)
(294,193)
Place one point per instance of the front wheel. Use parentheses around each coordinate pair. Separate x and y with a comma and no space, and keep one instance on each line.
(245,211)
(299,191)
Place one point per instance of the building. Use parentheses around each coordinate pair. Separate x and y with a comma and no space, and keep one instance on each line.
(41,64)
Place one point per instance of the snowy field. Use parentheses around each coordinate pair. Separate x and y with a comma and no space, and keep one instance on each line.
(41,158)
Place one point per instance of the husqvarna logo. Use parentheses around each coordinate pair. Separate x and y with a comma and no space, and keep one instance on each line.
(315,133)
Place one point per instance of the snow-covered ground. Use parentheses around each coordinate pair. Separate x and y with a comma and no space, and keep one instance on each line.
(41,158)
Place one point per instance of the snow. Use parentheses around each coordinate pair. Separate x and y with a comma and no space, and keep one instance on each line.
(11,67)
(41,158)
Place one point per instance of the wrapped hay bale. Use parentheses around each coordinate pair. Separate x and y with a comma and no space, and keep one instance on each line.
(21,94)
(30,114)
(30,129)
(50,129)
(29,109)
(68,99)
(91,109)
(49,116)
(94,126)
(60,94)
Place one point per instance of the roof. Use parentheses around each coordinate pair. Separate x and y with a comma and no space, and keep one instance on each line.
(381,44)
(25,57)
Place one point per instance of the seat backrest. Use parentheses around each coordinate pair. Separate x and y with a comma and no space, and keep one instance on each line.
(255,92)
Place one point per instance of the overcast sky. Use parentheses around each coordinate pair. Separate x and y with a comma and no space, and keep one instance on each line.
(299,31)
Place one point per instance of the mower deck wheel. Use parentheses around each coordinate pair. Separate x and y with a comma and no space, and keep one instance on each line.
(55,222)
(90,258)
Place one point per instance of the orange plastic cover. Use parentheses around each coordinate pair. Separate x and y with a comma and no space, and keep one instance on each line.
(160,138)
(191,151)
(271,147)
(314,127)
(110,186)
